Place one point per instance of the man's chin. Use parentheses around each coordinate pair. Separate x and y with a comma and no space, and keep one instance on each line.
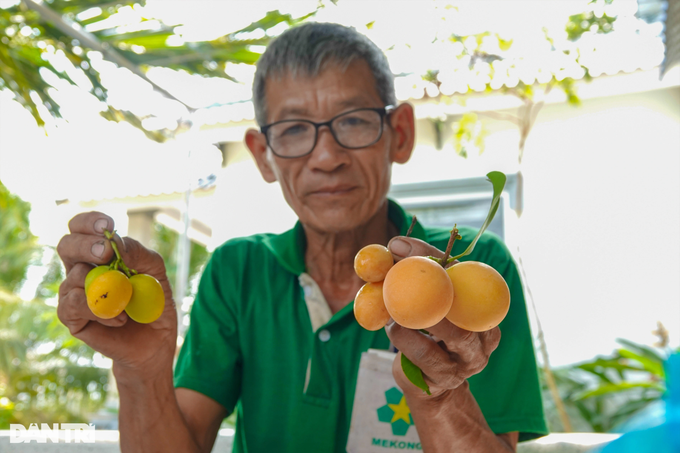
(335,218)
(338,214)
(335,222)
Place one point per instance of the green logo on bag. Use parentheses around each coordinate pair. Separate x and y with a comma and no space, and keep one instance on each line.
(396,412)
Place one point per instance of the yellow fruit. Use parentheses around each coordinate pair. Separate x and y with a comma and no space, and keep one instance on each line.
(148,301)
(108,294)
(481,298)
(417,292)
(373,262)
(369,307)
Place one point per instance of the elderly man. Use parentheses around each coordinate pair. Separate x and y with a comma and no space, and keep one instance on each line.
(272,332)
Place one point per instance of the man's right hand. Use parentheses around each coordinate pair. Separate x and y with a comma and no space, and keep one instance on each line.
(136,349)
(153,416)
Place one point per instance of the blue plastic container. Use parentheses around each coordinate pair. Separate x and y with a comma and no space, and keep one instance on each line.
(656,429)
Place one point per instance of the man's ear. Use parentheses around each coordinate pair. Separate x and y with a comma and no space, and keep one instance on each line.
(404,133)
(257,144)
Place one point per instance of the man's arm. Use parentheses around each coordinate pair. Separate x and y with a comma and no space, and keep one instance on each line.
(156,417)
(453,422)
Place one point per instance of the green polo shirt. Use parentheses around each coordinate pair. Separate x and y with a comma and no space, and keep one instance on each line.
(250,347)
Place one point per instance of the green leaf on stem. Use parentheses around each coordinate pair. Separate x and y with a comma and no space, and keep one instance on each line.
(618,387)
(644,351)
(497,179)
(414,374)
(656,368)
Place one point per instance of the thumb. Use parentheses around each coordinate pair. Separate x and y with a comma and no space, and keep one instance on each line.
(403,247)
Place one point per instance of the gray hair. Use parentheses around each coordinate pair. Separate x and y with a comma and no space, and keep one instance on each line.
(308,48)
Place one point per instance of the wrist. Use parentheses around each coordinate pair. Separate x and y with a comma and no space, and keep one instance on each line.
(421,401)
(152,391)
(158,372)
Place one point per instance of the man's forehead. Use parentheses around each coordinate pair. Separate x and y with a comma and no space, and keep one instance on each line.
(340,87)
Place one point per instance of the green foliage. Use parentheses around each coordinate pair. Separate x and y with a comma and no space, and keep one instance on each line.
(17,245)
(30,44)
(430,76)
(468,134)
(54,275)
(604,392)
(165,242)
(206,58)
(488,48)
(46,375)
(589,21)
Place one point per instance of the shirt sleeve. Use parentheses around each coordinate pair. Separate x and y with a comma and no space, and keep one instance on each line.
(210,361)
(508,390)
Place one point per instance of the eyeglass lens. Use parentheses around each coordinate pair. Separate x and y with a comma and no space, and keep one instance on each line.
(298,137)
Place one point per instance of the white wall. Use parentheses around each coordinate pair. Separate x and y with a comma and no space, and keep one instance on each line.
(601,227)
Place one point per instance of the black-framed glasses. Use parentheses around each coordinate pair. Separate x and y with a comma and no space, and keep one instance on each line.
(355,129)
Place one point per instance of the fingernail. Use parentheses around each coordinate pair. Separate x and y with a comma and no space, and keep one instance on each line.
(98,249)
(401,248)
(100,225)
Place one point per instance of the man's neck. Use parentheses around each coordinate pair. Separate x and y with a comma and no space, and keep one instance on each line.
(330,257)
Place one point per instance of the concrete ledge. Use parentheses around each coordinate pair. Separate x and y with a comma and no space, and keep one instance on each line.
(566,443)
(107,442)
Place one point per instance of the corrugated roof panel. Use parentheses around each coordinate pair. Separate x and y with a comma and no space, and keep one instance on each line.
(671,36)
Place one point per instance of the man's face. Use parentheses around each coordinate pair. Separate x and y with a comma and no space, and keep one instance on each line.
(332,189)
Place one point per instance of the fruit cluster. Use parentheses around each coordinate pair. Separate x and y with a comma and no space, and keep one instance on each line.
(418,292)
(112,288)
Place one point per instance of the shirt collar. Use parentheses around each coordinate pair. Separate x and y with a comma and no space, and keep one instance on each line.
(289,247)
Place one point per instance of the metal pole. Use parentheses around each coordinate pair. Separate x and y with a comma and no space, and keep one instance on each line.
(183,260)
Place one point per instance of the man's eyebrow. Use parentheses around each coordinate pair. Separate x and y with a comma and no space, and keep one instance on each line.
(355,102)
(293,111)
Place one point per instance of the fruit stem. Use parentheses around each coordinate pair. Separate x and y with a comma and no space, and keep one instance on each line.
(119,260)
(114,246)
(410,229)
(454,235)
(126,269)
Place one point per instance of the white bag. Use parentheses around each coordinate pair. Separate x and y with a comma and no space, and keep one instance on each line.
(381,420)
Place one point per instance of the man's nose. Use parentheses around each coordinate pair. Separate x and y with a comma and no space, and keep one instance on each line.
(328,155)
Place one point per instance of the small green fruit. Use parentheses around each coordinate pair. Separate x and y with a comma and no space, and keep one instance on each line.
(94,273)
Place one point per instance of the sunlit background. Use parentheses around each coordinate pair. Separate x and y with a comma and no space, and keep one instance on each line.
(577,102)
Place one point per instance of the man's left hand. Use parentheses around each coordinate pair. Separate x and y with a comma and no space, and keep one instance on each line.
(449,355)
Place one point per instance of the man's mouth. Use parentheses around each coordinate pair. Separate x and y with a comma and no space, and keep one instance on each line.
(340,189)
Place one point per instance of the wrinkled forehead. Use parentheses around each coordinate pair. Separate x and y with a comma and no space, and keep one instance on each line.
(331,89)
